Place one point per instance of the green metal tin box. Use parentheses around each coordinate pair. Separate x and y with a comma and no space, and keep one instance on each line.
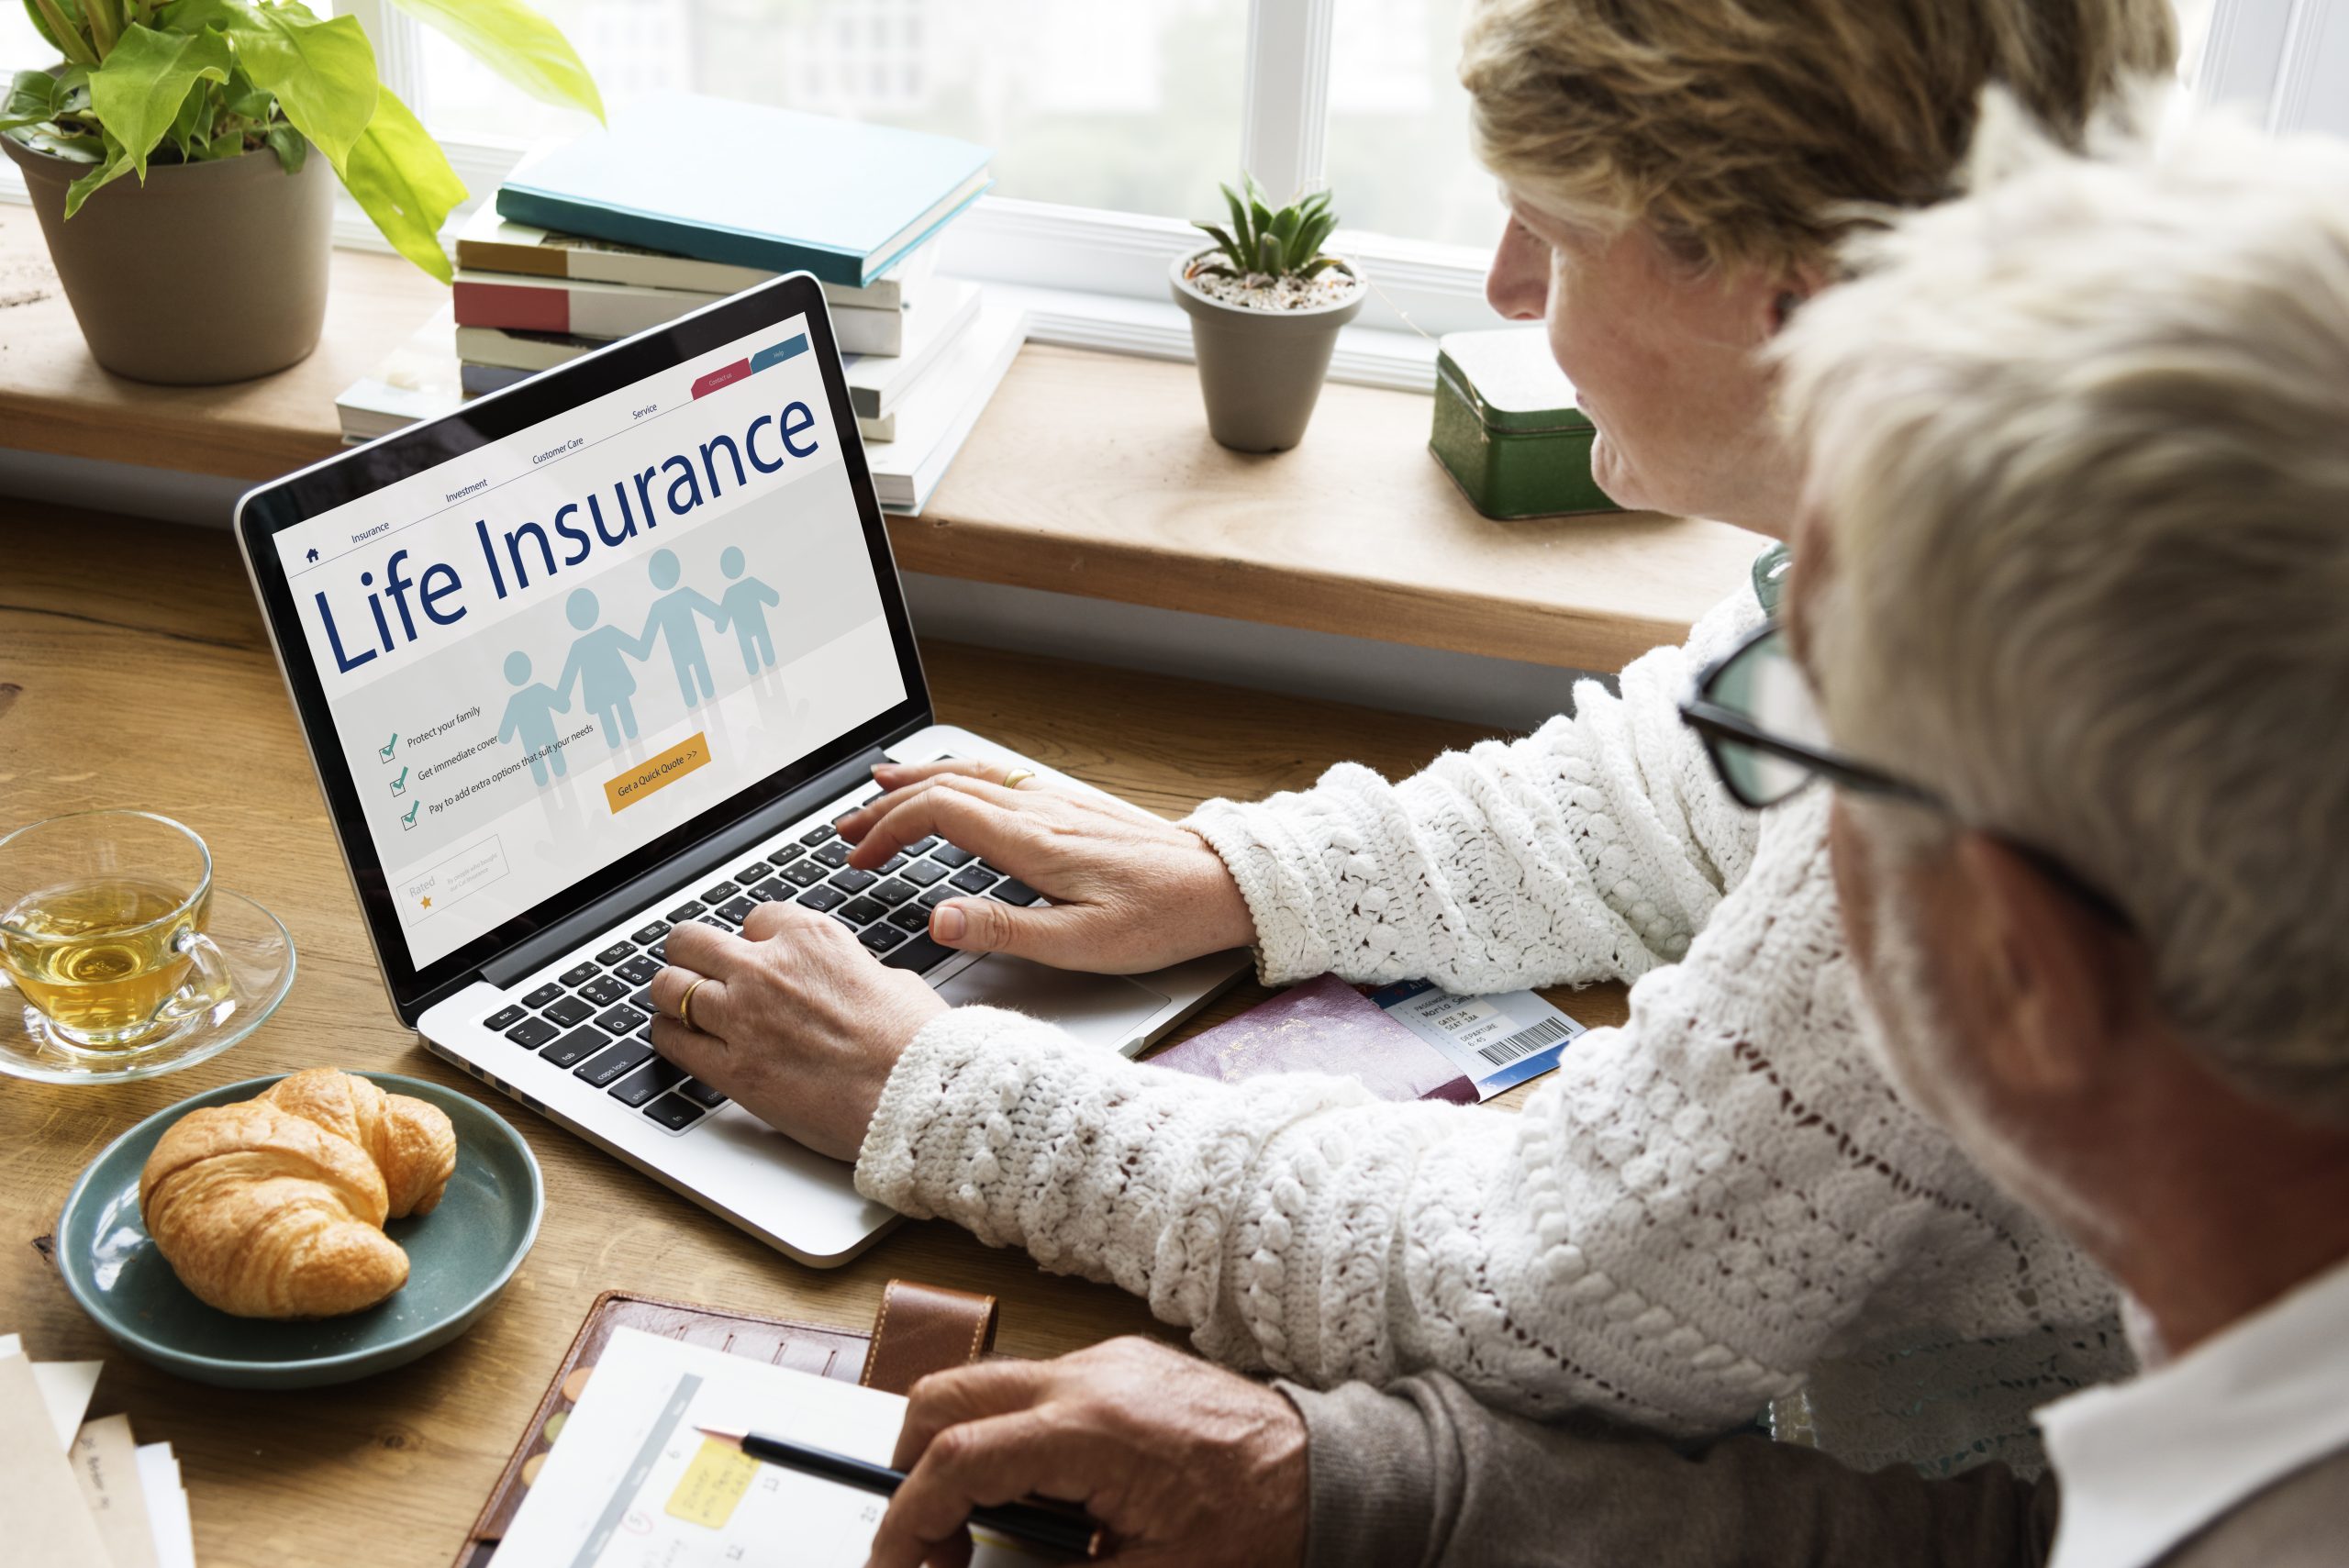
(1506,428)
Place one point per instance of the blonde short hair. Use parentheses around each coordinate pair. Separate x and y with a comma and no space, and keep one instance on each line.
(1757,131)
(2082,441)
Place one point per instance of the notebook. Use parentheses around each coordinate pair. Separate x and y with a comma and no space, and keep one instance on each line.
(753,186)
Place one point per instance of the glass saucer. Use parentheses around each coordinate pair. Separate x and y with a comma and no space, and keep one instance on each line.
(260,958)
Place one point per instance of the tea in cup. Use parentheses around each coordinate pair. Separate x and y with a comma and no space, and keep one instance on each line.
(102,927)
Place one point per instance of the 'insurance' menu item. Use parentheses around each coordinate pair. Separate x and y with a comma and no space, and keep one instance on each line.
(547,653)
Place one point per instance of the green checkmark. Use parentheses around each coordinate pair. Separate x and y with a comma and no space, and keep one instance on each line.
(399,784)
(407,817)
(388,747)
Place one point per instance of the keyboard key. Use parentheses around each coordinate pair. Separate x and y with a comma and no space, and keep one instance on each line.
(716,921)
(640,970)
(604,990)
(578,975)
(576,1046)
(774,890)
(646,1082)
(912,917)
(922,873)
(1014,891)
(783,854)
(823,898)
(542,997)
(568,1010)
(718,893)
(606,1068)
(752,873)
(622,1019)
(701,1093)
(616,953)
(916,953)
(852,880)
(804,873)
(881,938)
(532,1033)
(937,895)
(947,856)
(846,924)
(817,834)
(505,1019)
(642,1002)
(924,847)
(894,863)
(973,879)
(686,911)
(674,1112)
(834,853)
(651,933)
(894,892)
(861,911)
(736,909)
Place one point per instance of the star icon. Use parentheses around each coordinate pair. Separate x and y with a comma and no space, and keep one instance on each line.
(428,901)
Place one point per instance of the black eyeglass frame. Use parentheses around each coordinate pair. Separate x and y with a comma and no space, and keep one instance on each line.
(1715,724)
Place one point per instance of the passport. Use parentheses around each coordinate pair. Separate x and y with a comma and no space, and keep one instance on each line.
(1323,1026)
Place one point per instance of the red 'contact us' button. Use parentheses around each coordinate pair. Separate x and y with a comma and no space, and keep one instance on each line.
(725,376)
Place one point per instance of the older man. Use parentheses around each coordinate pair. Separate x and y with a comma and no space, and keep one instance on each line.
(2075,608)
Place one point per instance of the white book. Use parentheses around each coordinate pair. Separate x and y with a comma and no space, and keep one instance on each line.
(876,383)
(601,312)
(937,414)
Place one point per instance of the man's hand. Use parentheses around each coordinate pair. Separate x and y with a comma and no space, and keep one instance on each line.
(1181,1463)
(793,1019)
(1129,892)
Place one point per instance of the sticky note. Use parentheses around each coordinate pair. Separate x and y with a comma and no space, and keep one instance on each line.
(712,1484)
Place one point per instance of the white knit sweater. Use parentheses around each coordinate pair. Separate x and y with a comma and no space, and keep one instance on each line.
(1695,1212)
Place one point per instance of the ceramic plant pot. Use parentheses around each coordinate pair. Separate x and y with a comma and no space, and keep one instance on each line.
(209,273)
(1259,370)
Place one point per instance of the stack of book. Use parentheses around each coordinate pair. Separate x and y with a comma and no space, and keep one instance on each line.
(617,232)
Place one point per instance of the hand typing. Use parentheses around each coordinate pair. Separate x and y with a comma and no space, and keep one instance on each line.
(1180,1462)
(1129,892)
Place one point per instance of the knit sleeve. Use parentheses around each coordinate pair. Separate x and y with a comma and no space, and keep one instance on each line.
(1594,849)
(1687,1215)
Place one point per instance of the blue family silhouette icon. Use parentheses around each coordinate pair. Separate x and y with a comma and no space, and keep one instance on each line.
(744,605)
(672,618)
(529,718)
(598,662)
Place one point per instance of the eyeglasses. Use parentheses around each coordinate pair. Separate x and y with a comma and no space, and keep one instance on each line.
(1760,721)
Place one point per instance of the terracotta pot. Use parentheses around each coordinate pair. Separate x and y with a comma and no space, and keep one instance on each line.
(209,273)
(1259,370)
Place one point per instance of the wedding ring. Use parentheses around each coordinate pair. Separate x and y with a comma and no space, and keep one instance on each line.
(1017,777)
(685,1002)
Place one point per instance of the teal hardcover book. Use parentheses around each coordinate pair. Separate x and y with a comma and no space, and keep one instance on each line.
(753,186)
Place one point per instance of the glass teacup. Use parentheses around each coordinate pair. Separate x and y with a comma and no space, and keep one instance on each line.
(102,927)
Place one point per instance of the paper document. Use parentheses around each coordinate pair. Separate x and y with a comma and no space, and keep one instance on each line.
(1498,1041)
(632,1484)
(65,1388)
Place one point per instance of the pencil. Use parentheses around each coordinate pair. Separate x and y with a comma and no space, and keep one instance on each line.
(1052,1528)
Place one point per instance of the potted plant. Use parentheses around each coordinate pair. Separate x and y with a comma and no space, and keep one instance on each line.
(1265,305)
(210,265)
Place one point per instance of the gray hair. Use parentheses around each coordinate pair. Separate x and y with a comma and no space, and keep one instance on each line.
(2083,438)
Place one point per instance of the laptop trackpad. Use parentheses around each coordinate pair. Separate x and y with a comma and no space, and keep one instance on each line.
(1099,1009)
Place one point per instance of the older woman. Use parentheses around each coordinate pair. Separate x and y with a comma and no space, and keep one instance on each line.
(1700,1207)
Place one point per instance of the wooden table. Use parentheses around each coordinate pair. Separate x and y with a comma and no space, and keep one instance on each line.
(134,671)
(1088,475)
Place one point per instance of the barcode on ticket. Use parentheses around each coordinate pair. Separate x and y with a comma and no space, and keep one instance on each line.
(1506,1051)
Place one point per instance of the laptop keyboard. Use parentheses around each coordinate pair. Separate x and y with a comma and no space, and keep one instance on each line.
(595,1017)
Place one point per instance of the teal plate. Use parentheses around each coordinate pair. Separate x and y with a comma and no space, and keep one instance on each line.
(459,1257)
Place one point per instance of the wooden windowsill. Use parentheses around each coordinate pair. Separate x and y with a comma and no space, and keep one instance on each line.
(1089,474)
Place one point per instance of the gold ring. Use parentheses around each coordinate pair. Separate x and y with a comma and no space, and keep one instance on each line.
(685,1002)
(1017,777)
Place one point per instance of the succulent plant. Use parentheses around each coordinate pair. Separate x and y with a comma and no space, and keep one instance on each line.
(1260,242)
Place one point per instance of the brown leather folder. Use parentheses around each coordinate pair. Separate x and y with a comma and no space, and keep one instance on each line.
(920,1329)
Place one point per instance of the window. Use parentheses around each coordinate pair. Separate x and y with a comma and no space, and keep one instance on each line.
(1397,154)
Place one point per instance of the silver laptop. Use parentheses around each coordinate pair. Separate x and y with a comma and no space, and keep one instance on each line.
(608,652)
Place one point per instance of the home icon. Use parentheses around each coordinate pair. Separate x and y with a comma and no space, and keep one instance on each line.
(313,558)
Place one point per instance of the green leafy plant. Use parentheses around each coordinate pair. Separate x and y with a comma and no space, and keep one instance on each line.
(1260,242)
(150,82)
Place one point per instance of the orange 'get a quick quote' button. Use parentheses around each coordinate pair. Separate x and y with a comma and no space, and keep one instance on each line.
(654,773)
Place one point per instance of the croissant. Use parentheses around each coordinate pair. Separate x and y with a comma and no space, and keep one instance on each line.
(274,1206)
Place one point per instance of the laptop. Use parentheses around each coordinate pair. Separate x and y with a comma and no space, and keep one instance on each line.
(610,650)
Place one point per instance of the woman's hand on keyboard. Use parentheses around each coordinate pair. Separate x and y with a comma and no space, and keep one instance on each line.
(792,1018)
(1129,892)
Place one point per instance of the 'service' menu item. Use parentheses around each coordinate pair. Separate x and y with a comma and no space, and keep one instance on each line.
(547,653)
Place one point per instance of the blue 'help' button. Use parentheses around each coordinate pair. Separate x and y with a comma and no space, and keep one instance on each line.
(775,354)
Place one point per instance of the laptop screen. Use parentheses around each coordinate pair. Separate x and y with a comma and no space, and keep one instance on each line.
(543,655)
